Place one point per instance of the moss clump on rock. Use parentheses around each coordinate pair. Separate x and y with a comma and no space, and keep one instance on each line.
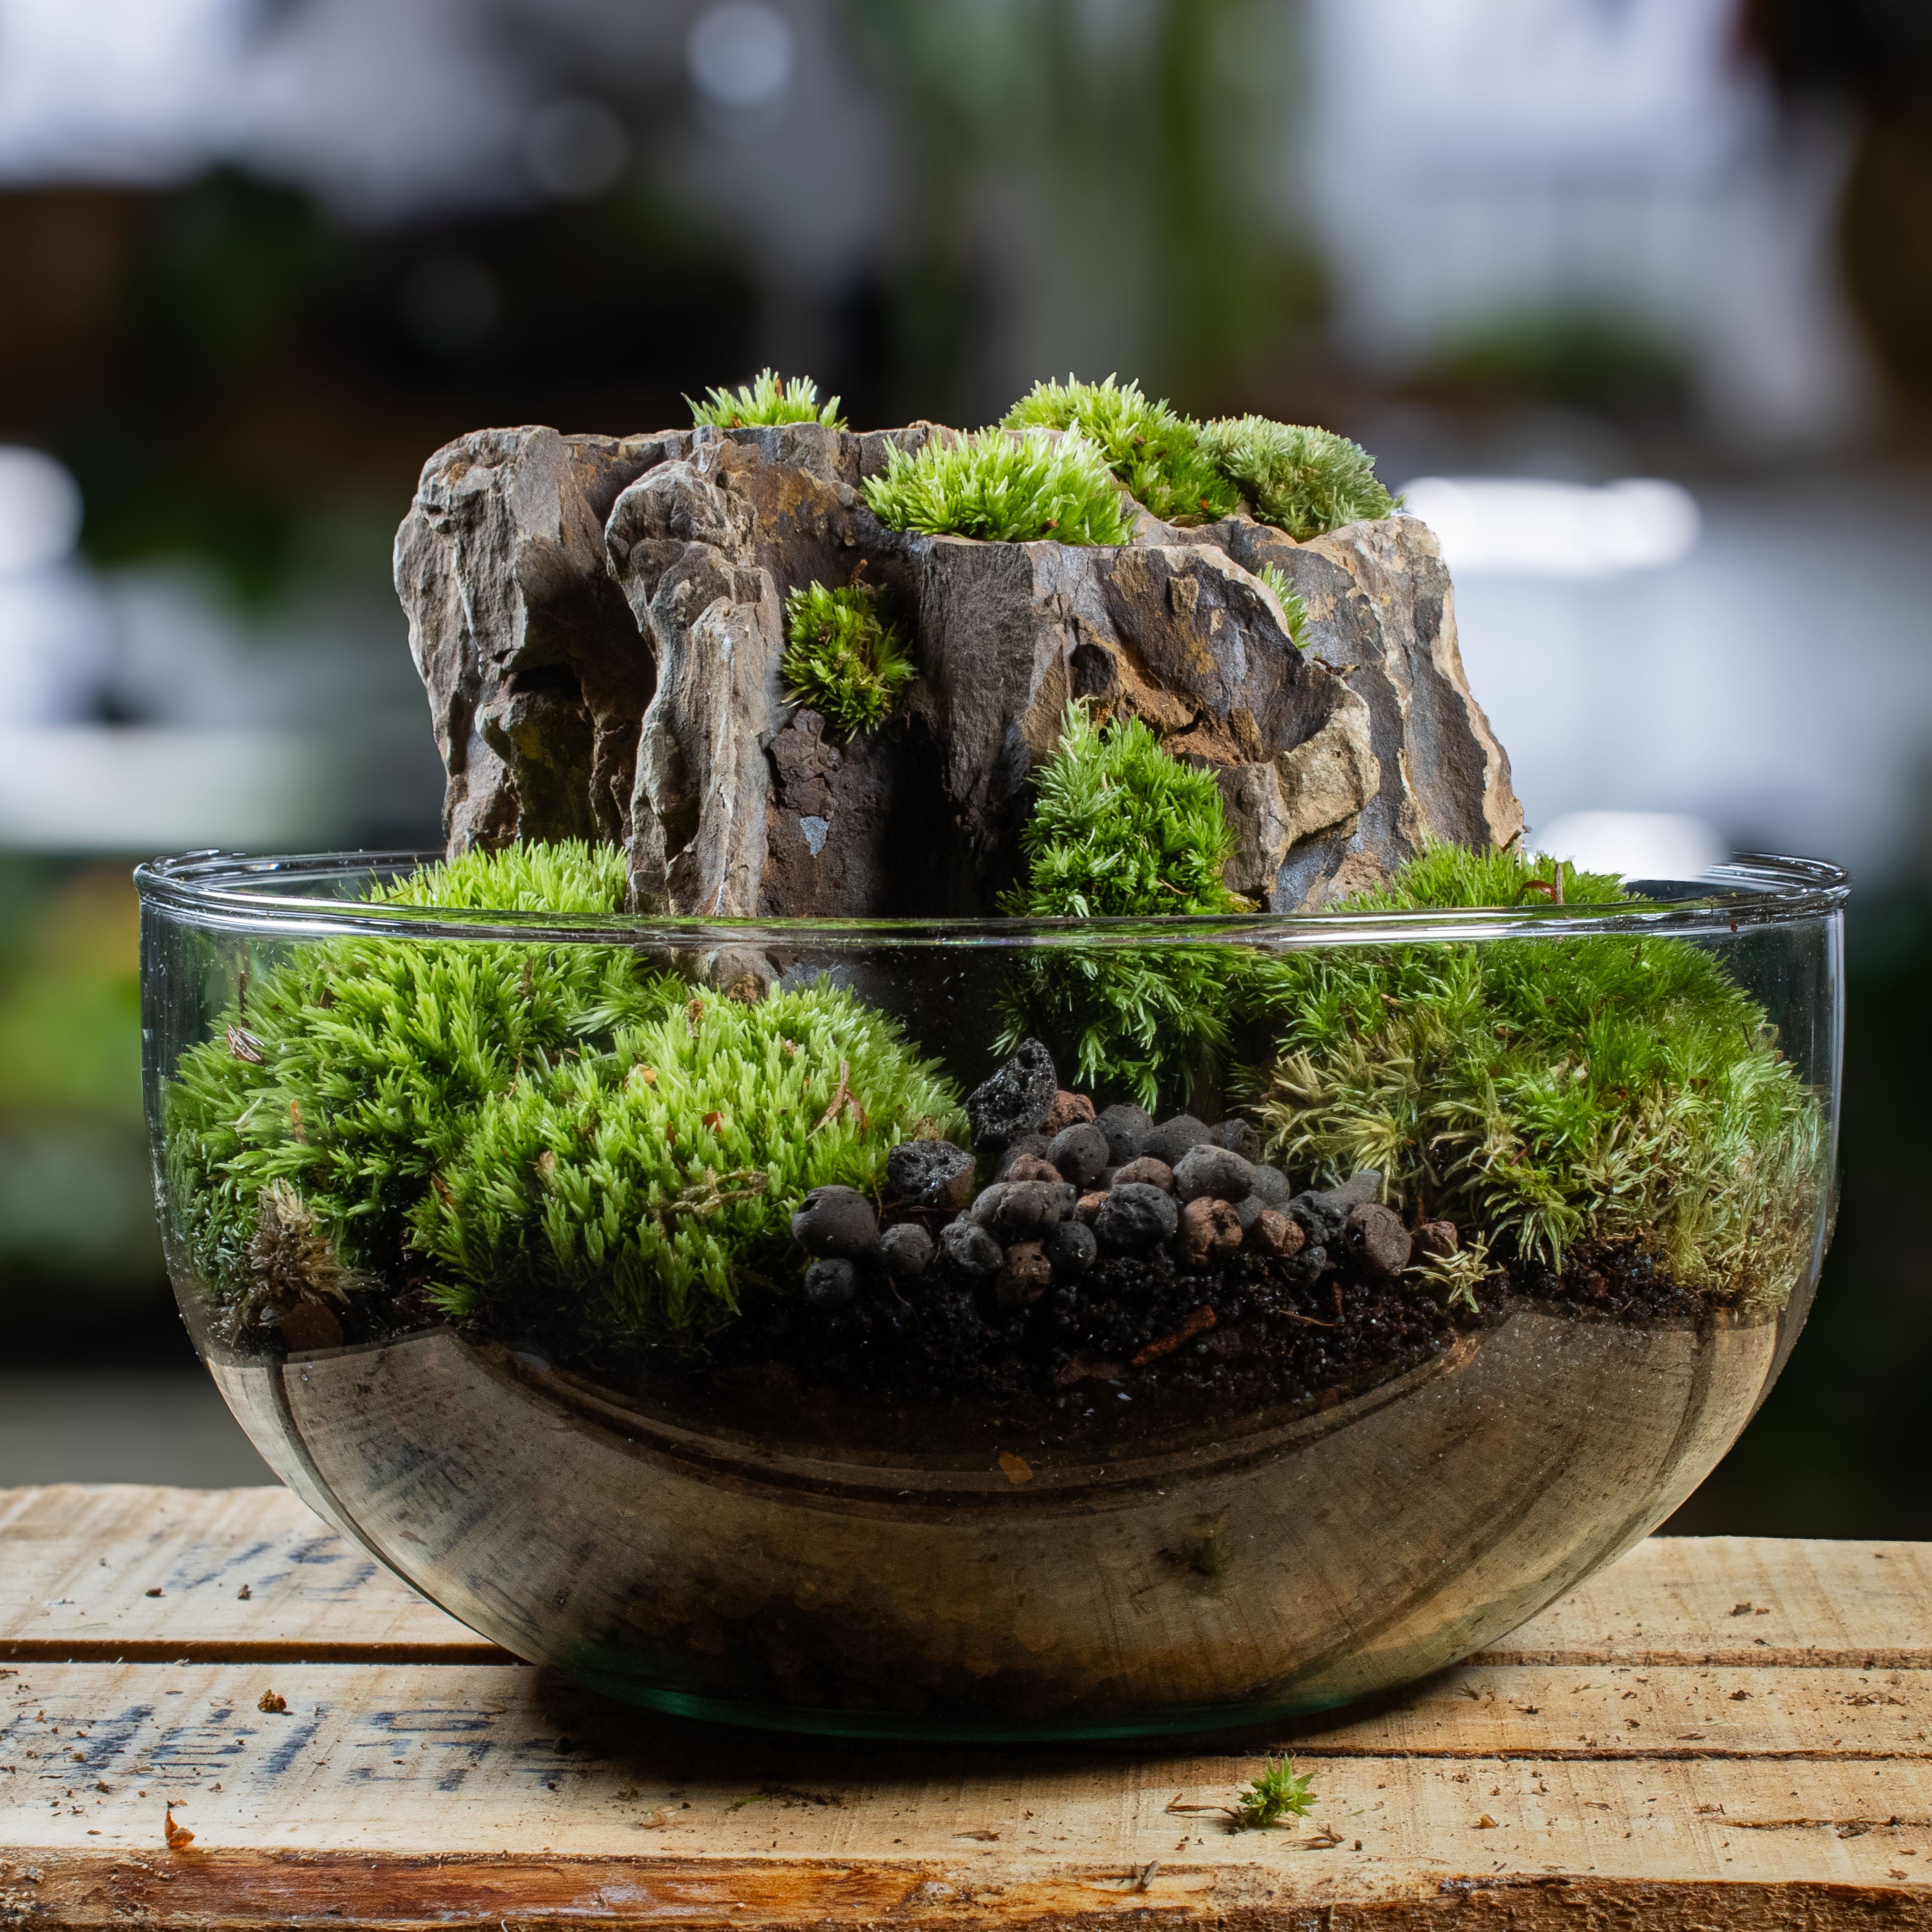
(1306,481)
(631,1194)
(1004,487)
(1120,829)
(843,659)
(1560,1095)
(767,398)
(1154,451)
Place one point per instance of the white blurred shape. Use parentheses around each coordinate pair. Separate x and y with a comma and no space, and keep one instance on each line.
(1527,527)
(1634,845)
(93,788)
(39,510)
(575,148)
(739,53)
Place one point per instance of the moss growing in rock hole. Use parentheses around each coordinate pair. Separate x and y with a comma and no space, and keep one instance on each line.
(843,659)
(766,398)
(1305,481)
(1154,451)
(1120,830)
(1556,1094)
(1004,487)
(630,1193)
(1294,611)
(301,1135)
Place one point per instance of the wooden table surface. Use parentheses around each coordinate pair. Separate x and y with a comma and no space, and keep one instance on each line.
(1719,1732)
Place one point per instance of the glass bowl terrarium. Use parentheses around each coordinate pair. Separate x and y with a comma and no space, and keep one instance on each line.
(689,1345)
(986,1127)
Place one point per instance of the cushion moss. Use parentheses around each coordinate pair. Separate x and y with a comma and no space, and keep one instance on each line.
(842,658)
(1305,481)
(767,398)
(1004,487)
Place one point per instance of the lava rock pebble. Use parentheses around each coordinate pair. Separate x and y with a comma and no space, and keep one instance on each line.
(1068,1110)
(1377,1238)
(837,1223)
(1250,1210)
(906,1248)
(1271,1184)
(1027,1147)
(1024,1275)
(1173,1138)
(1365,1184)
(1322,1216)
(1136,1217)
(1238,1136)
(1207,1170)
(1210,1231)
(1019,1210)
(970,1248)
(1437,1239)
(1016,1099)
(830,1284)
(1145,1172)
(1126,1128)
(1087,1207)
(1030,1167)
(1072,1248)
(1080,1152)
(930,1174)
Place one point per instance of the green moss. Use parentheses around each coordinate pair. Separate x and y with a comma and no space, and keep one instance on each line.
(349,1072)
(1294,611)
(1004,487)
(1305,481)
(1154,451)
(634,1191)
(843,659)
(766,398)
(1557,1095)
(1120,830)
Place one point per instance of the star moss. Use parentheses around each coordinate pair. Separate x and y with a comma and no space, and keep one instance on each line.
(766,398)
(1004,487)
(842,658)
(1304,480)
(1558,1095)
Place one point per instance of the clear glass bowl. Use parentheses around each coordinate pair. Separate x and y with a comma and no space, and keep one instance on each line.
(846,1518)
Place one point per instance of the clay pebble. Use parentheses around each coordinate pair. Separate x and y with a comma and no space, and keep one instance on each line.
(1437,1239)
(1238,1136)
(1172,1139)
(830,1283)
(1135,1217)
(1145,1172)
(1028,1146)
(906,1248)
(1126,1128)
(1024,1275)
(1072,1248)
(1079,1152)
(1068,1110)
(836,1222)
(1207,1170)
(1377,1238)
(1210,1230)
(970,1248)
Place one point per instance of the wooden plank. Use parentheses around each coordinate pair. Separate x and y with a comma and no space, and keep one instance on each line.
(437,1792)
(81,1558)
(110,1571)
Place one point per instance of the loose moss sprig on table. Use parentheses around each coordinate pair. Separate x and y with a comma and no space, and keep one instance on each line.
(843,658)
(347,1122)
(1006,487)
(1120,830)
(1558,1094)
(767,398)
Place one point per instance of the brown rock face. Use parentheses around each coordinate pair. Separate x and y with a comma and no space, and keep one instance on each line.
(599,623)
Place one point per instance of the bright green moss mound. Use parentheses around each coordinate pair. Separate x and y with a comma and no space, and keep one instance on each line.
(1005,487)
(1556,1095)
(639,1189)
(842,658)
(766,398)
(334,1138)
(1152,450)
(1306,482)
(1120,830)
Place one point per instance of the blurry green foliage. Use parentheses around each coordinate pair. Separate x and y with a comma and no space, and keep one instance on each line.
(1616,366)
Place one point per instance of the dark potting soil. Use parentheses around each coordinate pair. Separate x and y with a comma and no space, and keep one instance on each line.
(1135,1348)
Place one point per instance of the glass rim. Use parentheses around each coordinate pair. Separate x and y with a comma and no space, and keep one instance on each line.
(237,891)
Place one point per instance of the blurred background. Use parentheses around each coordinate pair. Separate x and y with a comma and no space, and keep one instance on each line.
(1633,296)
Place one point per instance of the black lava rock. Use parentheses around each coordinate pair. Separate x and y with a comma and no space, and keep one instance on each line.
(1015,1100)
(1072,1248)
(906,1248)
(970,1248)
(1136,1217)
(1304,1270)
(1238,1136)
(830,1284)
(1126,1128)
(1377,1238)
(1271,1184)
(1322,1215)
(836,1222)
(1080,1152)
(1025,1209)
(1365,1184)
(1212,1171)
(1250,1210)
(1172,1139)
(930,1174)
(1035,1144)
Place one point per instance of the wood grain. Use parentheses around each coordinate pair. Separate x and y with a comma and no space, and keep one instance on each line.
(1645,1753)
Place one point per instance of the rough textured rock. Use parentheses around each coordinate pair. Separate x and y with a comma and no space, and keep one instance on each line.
(599,623)
(1013,1101)
(930,1174)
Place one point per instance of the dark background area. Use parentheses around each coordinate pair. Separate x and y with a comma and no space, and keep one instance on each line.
(240,333)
